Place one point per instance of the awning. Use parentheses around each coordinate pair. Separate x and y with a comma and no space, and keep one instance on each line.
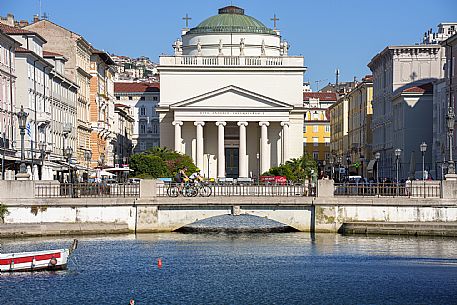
(118,169)
(371,166)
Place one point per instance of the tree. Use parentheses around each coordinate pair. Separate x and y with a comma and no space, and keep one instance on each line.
(159,162)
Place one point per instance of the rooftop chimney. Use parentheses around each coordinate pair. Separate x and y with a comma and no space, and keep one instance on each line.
(23,23)
(36,18)
(10,19)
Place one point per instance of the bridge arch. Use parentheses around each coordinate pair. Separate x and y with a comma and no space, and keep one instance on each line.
(171,218)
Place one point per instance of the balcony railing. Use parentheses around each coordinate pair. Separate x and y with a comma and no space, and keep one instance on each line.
(247,61)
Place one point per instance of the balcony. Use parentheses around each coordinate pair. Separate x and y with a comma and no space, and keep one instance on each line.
(43,117)
(233,61)
(100,126)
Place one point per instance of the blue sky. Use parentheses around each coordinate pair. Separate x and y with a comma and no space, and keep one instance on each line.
(328,33)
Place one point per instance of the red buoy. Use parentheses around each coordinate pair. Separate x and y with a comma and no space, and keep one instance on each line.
(159,263)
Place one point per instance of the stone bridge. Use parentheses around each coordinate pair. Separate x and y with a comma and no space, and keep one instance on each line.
(148,212)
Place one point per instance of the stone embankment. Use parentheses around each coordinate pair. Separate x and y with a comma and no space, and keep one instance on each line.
(149,212)
(59,228)
(401,228)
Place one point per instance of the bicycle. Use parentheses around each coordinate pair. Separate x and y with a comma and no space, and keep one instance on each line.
(188,190)
(204,190)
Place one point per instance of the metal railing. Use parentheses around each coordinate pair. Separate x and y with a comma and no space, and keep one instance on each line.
(253,190)
(78,190)
(410,190)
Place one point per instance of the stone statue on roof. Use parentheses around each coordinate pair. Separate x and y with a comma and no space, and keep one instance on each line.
(220,47)
(178,47)
(199,47)
(241,46)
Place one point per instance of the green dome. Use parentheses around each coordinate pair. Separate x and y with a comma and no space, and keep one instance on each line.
(231,19)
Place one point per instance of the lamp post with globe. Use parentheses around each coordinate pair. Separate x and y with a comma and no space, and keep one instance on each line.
(450,118)
(423,148)
(397,160)
(22,119)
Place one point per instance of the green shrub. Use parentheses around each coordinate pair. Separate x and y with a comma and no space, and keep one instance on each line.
(3,212)
(296,170)
(145,164)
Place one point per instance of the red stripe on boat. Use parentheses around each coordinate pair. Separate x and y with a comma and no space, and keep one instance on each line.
(29,259)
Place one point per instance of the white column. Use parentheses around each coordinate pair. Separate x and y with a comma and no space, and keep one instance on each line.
(178,138)
(264,153)
(199,144)
(220,149)
(285,141)
(243,169)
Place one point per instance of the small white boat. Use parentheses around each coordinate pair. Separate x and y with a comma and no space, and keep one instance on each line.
(37,260)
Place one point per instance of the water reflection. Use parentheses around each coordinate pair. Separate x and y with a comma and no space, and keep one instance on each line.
(292,268)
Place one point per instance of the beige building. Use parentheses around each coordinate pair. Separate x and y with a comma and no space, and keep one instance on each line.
(450,46)
(8,121)
(397,68)
(78,51)
(394,67)
(143,99)
(101,110)
(359,128)
(339,125)
(123,125)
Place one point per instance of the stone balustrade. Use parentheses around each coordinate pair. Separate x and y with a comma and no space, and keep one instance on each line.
(247,61)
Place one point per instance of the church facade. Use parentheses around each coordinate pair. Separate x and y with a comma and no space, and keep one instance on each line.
(231,96)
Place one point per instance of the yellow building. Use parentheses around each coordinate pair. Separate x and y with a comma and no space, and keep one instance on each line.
(316,129)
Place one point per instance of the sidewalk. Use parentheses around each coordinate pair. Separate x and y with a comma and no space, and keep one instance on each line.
(58,228)
(401,228)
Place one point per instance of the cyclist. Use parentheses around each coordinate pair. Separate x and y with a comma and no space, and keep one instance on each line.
(181,177)
(196,177)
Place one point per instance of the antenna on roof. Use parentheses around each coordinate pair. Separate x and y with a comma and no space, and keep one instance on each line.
(40,10)
(45,16)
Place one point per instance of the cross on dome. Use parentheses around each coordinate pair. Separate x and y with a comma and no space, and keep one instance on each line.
(187,18)
(274,19)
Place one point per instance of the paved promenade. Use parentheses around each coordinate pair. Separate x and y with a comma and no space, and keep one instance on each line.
(55,228)
(448,229)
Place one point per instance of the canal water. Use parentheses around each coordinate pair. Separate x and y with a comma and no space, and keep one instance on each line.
(262,268)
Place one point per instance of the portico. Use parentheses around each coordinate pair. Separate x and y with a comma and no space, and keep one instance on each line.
(257,127)
(237,114)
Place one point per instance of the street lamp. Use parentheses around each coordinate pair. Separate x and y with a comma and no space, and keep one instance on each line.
(68,154)
(324,174)
(208,156)
(423,148)
(42,147)
(22,119)
(450,118)
(377,156)
(340,161)
(88,158)
(258,168)
(331,161)
(348,161)
(397,157)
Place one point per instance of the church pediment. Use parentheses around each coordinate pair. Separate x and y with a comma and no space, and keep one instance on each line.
(231,97)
